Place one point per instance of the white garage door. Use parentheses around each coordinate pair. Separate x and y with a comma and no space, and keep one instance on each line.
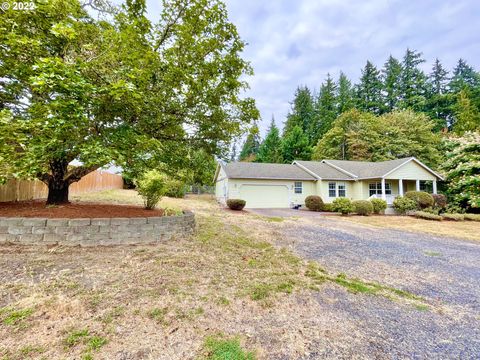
(264,196)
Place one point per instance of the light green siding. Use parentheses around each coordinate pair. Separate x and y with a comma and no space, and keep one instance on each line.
(263,193)
(411,171)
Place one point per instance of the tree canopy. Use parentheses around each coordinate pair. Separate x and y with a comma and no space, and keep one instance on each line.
(121,90)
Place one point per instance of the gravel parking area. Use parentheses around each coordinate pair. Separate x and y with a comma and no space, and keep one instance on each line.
(444,271)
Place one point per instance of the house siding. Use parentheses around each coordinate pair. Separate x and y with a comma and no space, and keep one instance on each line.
(411,171)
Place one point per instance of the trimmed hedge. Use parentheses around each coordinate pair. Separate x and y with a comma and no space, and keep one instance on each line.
(314,203)
(453,217)
(342,205)
(439,201)
(427,216)
(472,217)
(404,204)
(236,204)
(379,205)
(421,198)
(362,207)
(328,207)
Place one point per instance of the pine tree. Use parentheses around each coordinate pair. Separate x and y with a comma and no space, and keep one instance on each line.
(325,111)
(413,81)
(270,150)
(233,153)
(251,145)
(464,76)
(439,102)
(369,97)
(295,146)
(391,76)
(345,94)
(302,111)
(467,116)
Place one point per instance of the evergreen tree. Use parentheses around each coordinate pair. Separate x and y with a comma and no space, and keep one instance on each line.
(464,76)
(233,153)
(413,81)
(439,102)
(302,111)
(369,97)
(391,76)
(295,146)
(270,150)
(251,145)
(467,116)
(345,94)
(325,111)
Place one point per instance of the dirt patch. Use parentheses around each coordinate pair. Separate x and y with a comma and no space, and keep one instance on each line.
(74,210)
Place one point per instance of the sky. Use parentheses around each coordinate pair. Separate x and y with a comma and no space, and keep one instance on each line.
(297,42)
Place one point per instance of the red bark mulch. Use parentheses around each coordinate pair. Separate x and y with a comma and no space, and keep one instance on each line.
(73,210)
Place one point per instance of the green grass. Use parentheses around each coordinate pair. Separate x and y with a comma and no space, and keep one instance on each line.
(220,348)
(13,317)
(421,307)
(75,337)
(432,253)
(96,342)
(83,336)
(158,314)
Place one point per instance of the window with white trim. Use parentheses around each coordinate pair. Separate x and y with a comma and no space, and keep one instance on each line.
(342,190)
(298,187)
(332,189)
(376,188)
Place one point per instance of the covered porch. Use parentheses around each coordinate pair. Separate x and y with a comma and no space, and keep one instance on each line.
(389,189)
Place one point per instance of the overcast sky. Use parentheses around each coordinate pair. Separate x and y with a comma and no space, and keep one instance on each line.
(297,42)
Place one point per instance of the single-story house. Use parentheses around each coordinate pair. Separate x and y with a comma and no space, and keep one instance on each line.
(286,185)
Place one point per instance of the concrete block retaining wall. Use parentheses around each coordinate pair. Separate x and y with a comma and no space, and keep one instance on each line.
(96,231)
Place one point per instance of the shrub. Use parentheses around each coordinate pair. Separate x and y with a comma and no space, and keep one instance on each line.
(432,210)
(151,186)
(174,188)
(328,207)
(342,205)
(472,217)
(379,205)
(314,203)
(236,204)
(421,198)
(453,217)
(439,201)
(362,207)
(404,204)
(427,216)
(454,209)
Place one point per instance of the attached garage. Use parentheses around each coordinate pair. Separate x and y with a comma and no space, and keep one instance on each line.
(265,195)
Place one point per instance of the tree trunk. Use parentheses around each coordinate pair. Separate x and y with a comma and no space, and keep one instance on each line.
(57,192)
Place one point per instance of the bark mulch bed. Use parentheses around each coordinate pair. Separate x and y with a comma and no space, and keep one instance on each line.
(73,210)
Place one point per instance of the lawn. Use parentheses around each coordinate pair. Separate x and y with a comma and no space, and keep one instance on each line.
(226,290)
(460,229)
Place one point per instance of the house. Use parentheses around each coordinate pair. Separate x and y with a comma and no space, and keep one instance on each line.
(286,185)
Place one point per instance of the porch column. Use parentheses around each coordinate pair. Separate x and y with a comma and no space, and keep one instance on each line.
(434,183)
(400,187)
(417,185)
(384,196)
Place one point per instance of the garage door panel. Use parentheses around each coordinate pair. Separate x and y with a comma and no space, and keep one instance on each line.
(265,196)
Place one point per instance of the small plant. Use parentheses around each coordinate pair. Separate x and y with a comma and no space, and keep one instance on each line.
(151,186)
(342,205)
(454,209)
(314,203)
(96,342)
(421,198)
(174,188)
(172,212)
(327,207)
(158,314)
(439,201)
(362,207)
(403,204)
(14,317)
(427,216)
(432,210)
(260,292)
(379,205)
(75,337)
(453,217)
(219,348)
(236,204)
(472,217)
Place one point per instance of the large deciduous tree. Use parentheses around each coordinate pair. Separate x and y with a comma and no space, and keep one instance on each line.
(121,90)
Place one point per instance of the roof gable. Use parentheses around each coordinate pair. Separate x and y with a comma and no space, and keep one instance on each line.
(247,170)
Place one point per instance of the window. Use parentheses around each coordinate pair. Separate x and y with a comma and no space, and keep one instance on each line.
(337,189)
(332,189)
(376,188)
(298,185)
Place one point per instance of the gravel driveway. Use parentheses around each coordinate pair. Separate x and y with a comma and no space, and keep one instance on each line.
(445,271)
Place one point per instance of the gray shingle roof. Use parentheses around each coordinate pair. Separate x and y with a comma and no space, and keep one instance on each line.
(324,171)
(367,169)
(246,170)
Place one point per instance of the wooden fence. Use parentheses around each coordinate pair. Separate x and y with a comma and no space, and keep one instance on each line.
(18,190)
